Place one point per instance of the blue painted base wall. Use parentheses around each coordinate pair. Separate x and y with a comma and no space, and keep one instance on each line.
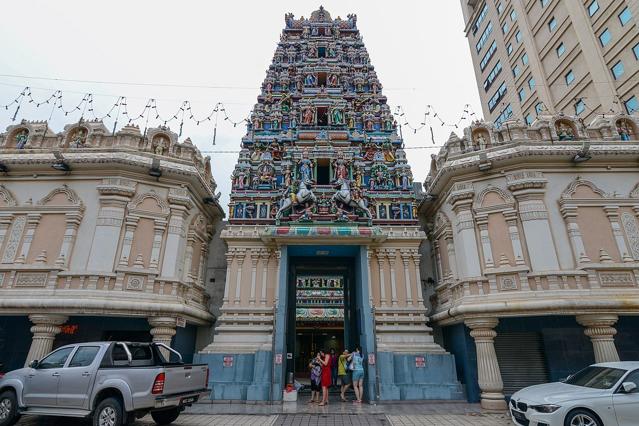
(401,380)
(566,348)
(248,379)
(15,341)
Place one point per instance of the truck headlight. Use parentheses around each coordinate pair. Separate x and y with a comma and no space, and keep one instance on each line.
(545,408)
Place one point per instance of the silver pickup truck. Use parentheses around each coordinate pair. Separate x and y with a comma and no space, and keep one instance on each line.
(113,383)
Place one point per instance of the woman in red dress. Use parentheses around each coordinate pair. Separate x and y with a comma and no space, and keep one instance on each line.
(326,375)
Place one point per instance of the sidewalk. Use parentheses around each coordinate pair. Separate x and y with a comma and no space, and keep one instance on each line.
(431,413)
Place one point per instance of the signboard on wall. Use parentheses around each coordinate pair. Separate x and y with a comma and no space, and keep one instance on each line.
(420,362)
(278,359)
(371,359)
(228,361)
(180,322)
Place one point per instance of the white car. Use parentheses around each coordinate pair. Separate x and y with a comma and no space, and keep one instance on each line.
(604,394)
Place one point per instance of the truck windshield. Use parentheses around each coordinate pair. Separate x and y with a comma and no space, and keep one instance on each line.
(596,377)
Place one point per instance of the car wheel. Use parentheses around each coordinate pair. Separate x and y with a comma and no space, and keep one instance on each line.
(8,409)
(582,418)
(165,417)
(108,413)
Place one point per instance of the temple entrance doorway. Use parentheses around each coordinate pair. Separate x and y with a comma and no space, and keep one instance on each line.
(322,311)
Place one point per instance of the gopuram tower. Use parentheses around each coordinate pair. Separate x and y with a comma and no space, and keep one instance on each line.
(323,240)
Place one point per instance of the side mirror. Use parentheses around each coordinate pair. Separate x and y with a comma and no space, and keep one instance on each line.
(629,387)
(34,364)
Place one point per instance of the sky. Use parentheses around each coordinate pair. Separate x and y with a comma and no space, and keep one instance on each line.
(218,51)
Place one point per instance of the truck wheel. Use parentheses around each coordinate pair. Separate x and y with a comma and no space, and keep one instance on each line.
(8,409)
(108,413)
(165,417)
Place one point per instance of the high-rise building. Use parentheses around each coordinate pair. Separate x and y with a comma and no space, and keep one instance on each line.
(532,57)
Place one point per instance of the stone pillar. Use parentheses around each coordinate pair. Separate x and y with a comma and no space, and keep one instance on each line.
(266,257)
(486,247)
(230,255)
(45,328)
(417,258)
(5,222)
(450,248)
(73,222)
(125,255)
(392,257)
(612,212)
(163,330)
(201,270)
(461,199)
(33,219)
(515,240)
(406,257)
(599,327)
(173,249)
(574,234)
(489,376)
(238,277)
(255,258)
(188,257)
(158,235)
(382,284)
(115,193)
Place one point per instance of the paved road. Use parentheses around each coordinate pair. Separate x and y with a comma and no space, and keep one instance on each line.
(318,419)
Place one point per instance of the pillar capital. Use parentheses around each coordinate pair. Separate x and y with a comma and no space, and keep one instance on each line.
(482,323)
(45,328)
(163,331)
(599,328)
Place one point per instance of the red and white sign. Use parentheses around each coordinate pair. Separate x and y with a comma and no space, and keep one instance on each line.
(228,361)
(278,359)
(420,362)
(371,359)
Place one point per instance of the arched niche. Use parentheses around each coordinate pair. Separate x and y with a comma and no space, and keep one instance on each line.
(566,129)
(626,129)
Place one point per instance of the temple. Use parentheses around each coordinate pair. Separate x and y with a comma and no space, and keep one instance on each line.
(323,237)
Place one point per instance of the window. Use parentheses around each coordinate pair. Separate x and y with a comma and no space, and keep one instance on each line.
(513,15)
(596,377)
(492,76)
(56,359)
(636,51)
(617,70)
(484,37)
(539,108)
(492,102)
(531,84)
(593,8)
(522,94)
(633,378)
(516,71)
(561,49)
(529,119)
(84,356)
(570,77)
(544,2)
(480,18)
(518,36)
(552,24)
(509,49)
(504,28)
(488,56)
(605,37)
(580,106)
(632,105)
(500,8)
(505,115)
(625,16)
(524,59)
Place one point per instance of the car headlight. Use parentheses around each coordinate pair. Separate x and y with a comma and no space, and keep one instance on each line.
(546,408)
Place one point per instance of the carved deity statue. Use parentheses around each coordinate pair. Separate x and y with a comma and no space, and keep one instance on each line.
(160,145)
(310,80)
(79,138)
(389,154)
(308,115)
(624,128)
(21,139)
(305,167)
(333,81)
(340,166)
(337,116)
(565,133)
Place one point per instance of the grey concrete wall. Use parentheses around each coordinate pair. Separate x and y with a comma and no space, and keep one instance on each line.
(215,282)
